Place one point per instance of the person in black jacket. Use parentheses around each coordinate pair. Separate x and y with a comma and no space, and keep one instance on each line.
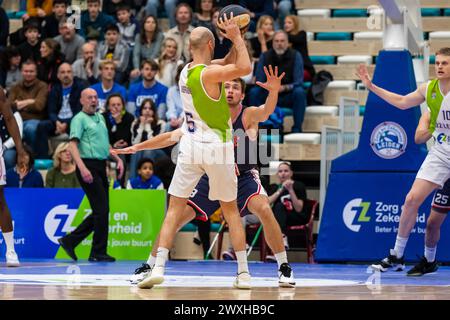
(50,25)
(118,121)
(4,28)
(63,104)
(298,41)
(51,59)
(30,49)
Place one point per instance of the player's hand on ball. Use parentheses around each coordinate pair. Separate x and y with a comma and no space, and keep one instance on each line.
(230,27)
(273,82)
(363,74)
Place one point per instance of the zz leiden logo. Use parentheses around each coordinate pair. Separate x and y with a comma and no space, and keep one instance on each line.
(355,213)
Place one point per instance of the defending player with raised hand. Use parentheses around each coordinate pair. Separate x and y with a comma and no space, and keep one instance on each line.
(435,170)
(252,197)
(206,146)
(6,224)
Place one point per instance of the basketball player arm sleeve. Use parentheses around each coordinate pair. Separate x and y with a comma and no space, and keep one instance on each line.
(410,100)
(423,129)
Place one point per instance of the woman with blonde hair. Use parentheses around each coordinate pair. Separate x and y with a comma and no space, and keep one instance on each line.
(62,175)
(298,41)
(264,34)
(168,62)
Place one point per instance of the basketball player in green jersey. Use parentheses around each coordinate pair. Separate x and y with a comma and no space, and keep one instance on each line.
(435,170)
(206,145)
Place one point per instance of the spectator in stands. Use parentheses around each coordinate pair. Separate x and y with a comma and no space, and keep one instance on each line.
(144,127)
(51,59)
(168,63)
(128,25)
(263,40)
(29,96)
(94,22)
(222,45)
(63,105)
(169,5)
(38,9)
(51,24)
(174,114)
(9,147)
(287,199)
(116,50)
(88,67)
(111,7)
(26,176)
(30,49)
(298,41)
(70,42)
(107,86)
(182,31)
(10,72)
(146,178)
(257,10)
(62,175)
(147,44)
(283,9)
(203,14)
(118,121)
(147,88)
(291,93)
(4,28)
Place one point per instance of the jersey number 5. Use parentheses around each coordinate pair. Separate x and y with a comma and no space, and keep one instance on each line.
(190,122)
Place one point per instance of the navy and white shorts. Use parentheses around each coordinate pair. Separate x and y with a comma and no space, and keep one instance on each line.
(441,199)
(249,185)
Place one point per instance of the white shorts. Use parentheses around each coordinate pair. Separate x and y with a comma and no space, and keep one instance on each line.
(435,168)
(2,171)
(197,158)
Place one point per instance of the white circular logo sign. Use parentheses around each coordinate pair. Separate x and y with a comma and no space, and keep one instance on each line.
(388,140)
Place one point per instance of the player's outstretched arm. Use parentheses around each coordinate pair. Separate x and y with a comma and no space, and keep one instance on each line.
(402,102)
(423,129)
(242,65)
(160,141)
(272,84)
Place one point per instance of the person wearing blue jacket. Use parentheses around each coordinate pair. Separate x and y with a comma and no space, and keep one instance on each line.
(145,179)
(26,176)
(94,22)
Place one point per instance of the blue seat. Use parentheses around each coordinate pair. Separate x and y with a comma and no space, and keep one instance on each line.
(362,109)
(447,12)
(43,164)
(270,138)
(349,13)
(190,227)
(287,112)
(306,85)
(323,59)
(432,59)
(334,36)
(430,12)
(426,35)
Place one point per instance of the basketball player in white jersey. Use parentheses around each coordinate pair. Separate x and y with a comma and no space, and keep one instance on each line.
(252,198)
(435,169)
(6,224)
(206,145)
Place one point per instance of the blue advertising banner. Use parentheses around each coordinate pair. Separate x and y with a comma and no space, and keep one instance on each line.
(360,221)
(42,216)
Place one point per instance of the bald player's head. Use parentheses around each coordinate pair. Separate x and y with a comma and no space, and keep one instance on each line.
(89,100)
(200,39)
